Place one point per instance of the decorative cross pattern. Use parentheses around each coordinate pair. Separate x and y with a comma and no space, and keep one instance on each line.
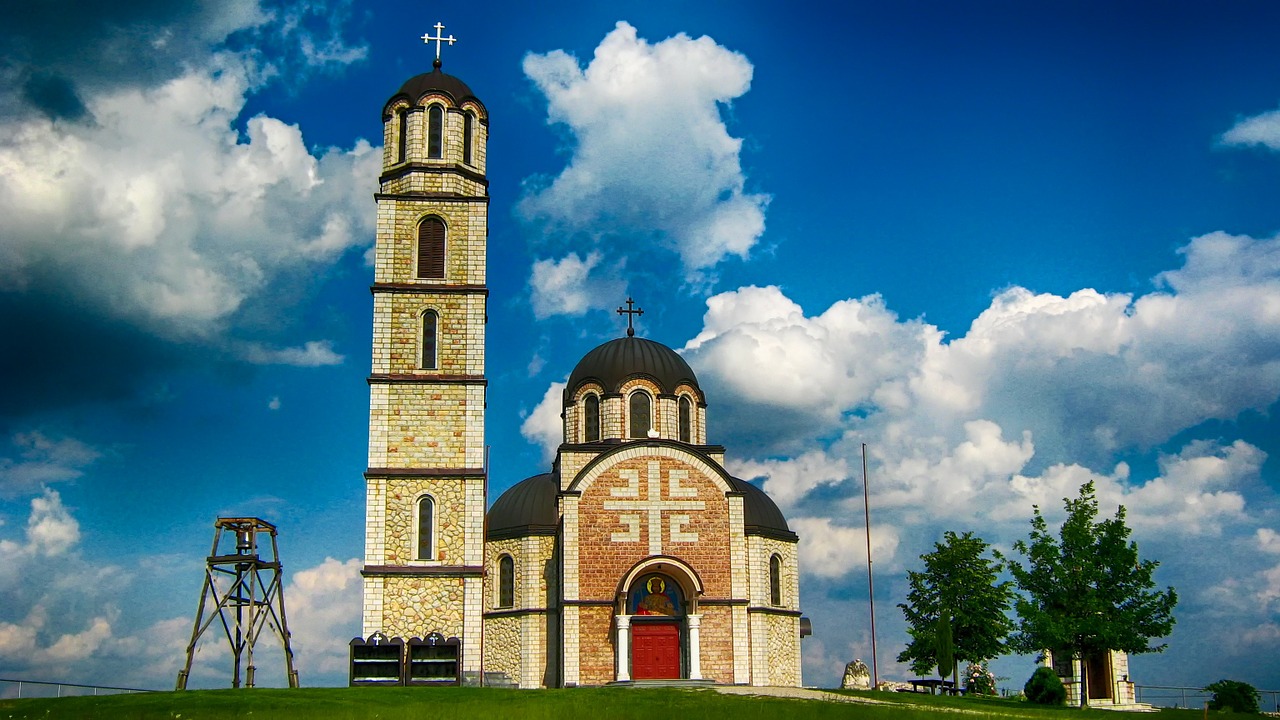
(654,506)
(439,38)
(630,313)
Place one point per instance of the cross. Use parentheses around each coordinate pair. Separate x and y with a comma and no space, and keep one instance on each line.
(439,38)
(654,506)
(631,331)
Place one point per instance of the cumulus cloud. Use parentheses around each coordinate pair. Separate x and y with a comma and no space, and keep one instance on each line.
(788,480)
(324,614)
(569,286)
(42,460)
(652,161)
(1262,129)
(543,426)
(829,550)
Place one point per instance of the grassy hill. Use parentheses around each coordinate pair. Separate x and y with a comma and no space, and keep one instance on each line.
(584,703)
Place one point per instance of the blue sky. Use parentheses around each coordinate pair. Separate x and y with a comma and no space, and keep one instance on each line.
(1010,246)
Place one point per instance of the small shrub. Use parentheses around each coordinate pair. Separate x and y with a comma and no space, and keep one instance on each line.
(978,680)
(1233,695)
(1045,687)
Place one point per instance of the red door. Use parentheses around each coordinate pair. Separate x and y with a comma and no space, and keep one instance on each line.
(655,651)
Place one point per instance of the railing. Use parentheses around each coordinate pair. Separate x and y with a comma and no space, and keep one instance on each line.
(39,688)
(1193,697)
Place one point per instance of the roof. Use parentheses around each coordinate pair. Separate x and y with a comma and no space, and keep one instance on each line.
(436,81)
(760,515)
(617,361)
(527,508)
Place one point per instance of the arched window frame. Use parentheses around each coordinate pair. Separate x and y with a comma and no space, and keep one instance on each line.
(435,131)
(633,430)
(468,131)
(432,248)
(591,417)
(506,585)
(686,417)
(424,524)
(429,358)
(402,141)
(775,580)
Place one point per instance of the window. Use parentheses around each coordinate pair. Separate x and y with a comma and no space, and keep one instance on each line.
(686,419)
(640,414)
(468,122)
(426,525)
(431,236)
(506,582)
(775,580)
(435,132)
(403,141)
(430,340)
(591,418)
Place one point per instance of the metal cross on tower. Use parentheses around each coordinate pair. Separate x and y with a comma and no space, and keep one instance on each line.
(439,38)
(630,313)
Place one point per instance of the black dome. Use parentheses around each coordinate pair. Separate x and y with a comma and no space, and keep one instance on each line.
(435,81)
(526,508)
(760,515)
(617,361)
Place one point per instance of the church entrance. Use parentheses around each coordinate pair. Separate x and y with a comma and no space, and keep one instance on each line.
(655,651)
(1098,669)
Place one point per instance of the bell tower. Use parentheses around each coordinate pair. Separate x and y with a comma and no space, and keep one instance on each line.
(426,477)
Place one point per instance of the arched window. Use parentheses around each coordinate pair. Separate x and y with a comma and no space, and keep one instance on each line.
(591,418)
(641,415)
(506,581)
(468,123)
(426,527)
(430,340)
(402,142)
(775,580)
(686,419)
(431,236)
(435,132)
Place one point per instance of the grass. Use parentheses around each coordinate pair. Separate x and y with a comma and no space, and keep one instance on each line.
(585,703)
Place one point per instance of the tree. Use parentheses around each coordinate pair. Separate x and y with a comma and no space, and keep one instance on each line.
(1086,592)
(960,582)
(946,648)
(1234,695)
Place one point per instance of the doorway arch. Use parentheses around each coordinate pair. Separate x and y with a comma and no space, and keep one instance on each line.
(657,621)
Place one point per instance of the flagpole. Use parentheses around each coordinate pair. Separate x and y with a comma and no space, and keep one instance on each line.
(871,588)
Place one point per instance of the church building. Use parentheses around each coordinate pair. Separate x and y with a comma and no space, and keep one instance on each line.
(637,556)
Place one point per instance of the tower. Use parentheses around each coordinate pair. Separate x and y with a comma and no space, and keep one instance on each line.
(426,476)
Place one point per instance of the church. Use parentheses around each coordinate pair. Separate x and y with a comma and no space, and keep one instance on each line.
(636,557)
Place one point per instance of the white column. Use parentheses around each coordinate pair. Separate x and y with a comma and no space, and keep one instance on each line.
(695,647)
(623,663)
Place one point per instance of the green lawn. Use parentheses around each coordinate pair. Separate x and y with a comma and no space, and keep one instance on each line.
(585,703)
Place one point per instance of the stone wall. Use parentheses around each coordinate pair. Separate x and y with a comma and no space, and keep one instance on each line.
(503,646)
(397,333)
(439,425)
(466,233)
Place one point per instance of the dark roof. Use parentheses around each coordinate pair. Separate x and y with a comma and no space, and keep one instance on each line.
(760,515)
(527,508)
(436,81)
(617,361)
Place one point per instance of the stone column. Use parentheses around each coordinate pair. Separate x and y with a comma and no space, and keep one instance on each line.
(695,647)
(623,663)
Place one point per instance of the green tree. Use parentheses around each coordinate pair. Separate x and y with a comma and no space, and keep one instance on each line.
(1086,592)
(1234,695)
(946,647)
(960,581)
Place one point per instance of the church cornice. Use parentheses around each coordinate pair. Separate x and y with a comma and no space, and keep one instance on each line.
(433,169)
(519,532)
(408,379)
(425,289)
(767,610)
(424,472)
(422,571)
(519,612)
(771,533)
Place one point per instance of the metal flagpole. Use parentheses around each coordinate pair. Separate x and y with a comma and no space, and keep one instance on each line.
(871,588)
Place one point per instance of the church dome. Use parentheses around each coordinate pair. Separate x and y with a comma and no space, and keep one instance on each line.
(527,508)
(760,515)
(435,81)
(617,361)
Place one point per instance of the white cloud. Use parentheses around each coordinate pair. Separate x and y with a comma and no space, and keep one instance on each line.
(315,353)
(652,160)
(572,285)
(1262,129)
(274,403)
(1268,541)
(43,460)
(789,480)
(828,550)
(544,426)
(50,529)
(324,614)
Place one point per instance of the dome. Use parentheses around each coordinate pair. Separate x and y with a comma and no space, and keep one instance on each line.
(617,361)
(435,81)
(527,508)
(761,515)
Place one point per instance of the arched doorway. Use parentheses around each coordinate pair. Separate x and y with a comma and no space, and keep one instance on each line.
(657,628)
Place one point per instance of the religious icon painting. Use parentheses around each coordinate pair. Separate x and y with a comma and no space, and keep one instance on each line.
(655,595)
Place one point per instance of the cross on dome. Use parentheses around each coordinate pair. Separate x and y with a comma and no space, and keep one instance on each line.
(630,313)
(439,38)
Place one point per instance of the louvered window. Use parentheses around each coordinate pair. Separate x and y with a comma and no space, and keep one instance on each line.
(430,340)
(641,417)
(468,124)
(435,132)
(686,419)
(431,249)
(591,418)
(506,582)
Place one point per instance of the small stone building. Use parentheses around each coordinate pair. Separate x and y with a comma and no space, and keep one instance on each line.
(1107,675)
(636,557)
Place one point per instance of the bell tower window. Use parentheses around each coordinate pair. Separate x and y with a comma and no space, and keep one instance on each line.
(506,582)
(641,414)
(431,237)
(402,141)
(468,124)
(430,340)
(591,418)
(426,526)
(435,132)
(686,419)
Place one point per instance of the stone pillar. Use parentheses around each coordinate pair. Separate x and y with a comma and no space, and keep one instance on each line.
(623,645)
(695,647)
